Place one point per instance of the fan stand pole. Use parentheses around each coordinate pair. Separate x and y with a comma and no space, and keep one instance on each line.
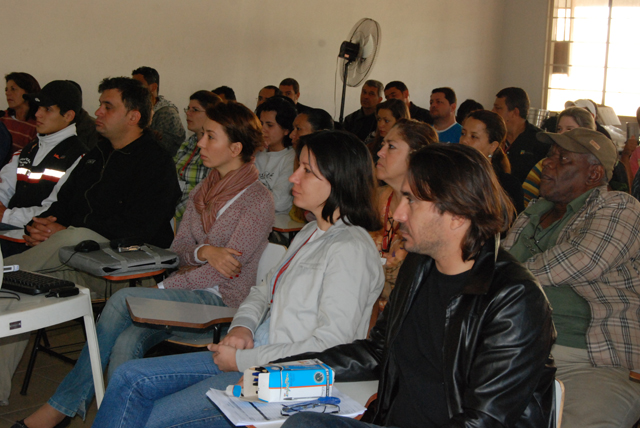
(344,88)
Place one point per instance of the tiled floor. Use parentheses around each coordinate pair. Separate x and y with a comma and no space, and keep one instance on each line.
(47,375)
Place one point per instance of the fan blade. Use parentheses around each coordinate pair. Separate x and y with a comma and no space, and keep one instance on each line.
(368,47)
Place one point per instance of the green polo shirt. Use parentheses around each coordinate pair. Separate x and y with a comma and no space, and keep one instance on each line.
(571,313)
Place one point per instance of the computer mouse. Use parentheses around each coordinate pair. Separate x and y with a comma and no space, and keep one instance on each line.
(87,246)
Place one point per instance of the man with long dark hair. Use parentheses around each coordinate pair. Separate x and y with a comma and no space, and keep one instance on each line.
(466,335)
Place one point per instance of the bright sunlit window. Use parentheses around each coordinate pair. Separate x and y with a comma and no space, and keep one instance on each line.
(594,54)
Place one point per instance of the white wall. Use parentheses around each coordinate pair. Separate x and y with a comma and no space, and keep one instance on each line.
(247,44)
(524,42)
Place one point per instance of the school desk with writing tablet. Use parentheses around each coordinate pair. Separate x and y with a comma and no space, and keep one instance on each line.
(179,314)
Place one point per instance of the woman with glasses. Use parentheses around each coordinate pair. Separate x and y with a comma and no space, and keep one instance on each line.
(191,170)
(405,137)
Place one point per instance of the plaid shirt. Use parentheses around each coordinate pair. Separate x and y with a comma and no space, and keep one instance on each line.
(598,254)
(191,171)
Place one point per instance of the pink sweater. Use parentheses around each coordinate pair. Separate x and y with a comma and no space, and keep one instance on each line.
(244,226)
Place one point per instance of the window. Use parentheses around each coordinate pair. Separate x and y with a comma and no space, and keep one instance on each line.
(593,54)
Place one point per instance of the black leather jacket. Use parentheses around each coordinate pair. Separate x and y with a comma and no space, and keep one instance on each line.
(498,337)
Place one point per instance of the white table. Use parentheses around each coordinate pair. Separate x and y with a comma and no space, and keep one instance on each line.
(32,313)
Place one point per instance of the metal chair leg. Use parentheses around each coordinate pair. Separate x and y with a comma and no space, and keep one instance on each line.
(32,362)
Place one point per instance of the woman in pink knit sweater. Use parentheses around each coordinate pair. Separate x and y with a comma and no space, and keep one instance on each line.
(220,240)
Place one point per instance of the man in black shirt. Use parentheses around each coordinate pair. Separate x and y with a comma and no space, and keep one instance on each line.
(399,91)
(126,187)
(523,148)
(466,335)
(363,122)
(290,88)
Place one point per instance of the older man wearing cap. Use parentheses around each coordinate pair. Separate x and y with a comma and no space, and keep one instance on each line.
(29,184)
(582,243)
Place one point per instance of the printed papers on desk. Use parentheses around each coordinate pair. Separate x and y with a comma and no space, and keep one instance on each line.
(241,412)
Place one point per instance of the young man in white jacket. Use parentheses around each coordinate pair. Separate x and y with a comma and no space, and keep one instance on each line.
(29,184)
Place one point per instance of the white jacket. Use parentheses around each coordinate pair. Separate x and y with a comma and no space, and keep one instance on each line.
(323,299)
(9,173)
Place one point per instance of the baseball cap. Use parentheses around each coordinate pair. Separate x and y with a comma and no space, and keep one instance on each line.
(61,93)
(583,140)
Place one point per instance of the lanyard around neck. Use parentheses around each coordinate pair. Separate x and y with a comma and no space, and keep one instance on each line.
(286,266)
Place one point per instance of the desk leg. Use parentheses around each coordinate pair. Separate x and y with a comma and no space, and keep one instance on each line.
(94,353)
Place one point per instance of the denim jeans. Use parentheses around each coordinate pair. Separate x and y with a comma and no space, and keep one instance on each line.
(121,340)
(165,392)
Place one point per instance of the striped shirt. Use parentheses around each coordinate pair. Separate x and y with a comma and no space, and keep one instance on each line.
(598,254)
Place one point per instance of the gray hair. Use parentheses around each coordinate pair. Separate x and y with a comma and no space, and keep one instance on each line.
(595,161)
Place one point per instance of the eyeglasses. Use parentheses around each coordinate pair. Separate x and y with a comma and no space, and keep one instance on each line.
(192,110)
(327,405)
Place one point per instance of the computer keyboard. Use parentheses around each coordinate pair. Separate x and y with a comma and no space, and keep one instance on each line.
(32,283)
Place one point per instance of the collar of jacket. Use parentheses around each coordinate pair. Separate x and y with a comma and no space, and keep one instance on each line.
(104,145)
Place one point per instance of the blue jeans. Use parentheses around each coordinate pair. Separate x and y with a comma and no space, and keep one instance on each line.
(165,392)
(121,340)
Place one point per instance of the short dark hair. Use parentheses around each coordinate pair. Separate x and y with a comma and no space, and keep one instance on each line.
(396,84)
(240,124)
(290,81)
(150,75)
(319,119)
(496,130)
(415,133)
(449,94)
(206,99)
(276,90)
(376,84)
(226,91)
(515,98)
(459,180)
(134,96)
(466,107)
(27,83)
(345,162)
(285,113)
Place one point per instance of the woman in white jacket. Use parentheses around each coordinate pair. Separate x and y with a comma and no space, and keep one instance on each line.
(319,295)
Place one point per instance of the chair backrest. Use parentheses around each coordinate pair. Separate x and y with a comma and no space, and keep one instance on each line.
(559,396)
(270,257)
